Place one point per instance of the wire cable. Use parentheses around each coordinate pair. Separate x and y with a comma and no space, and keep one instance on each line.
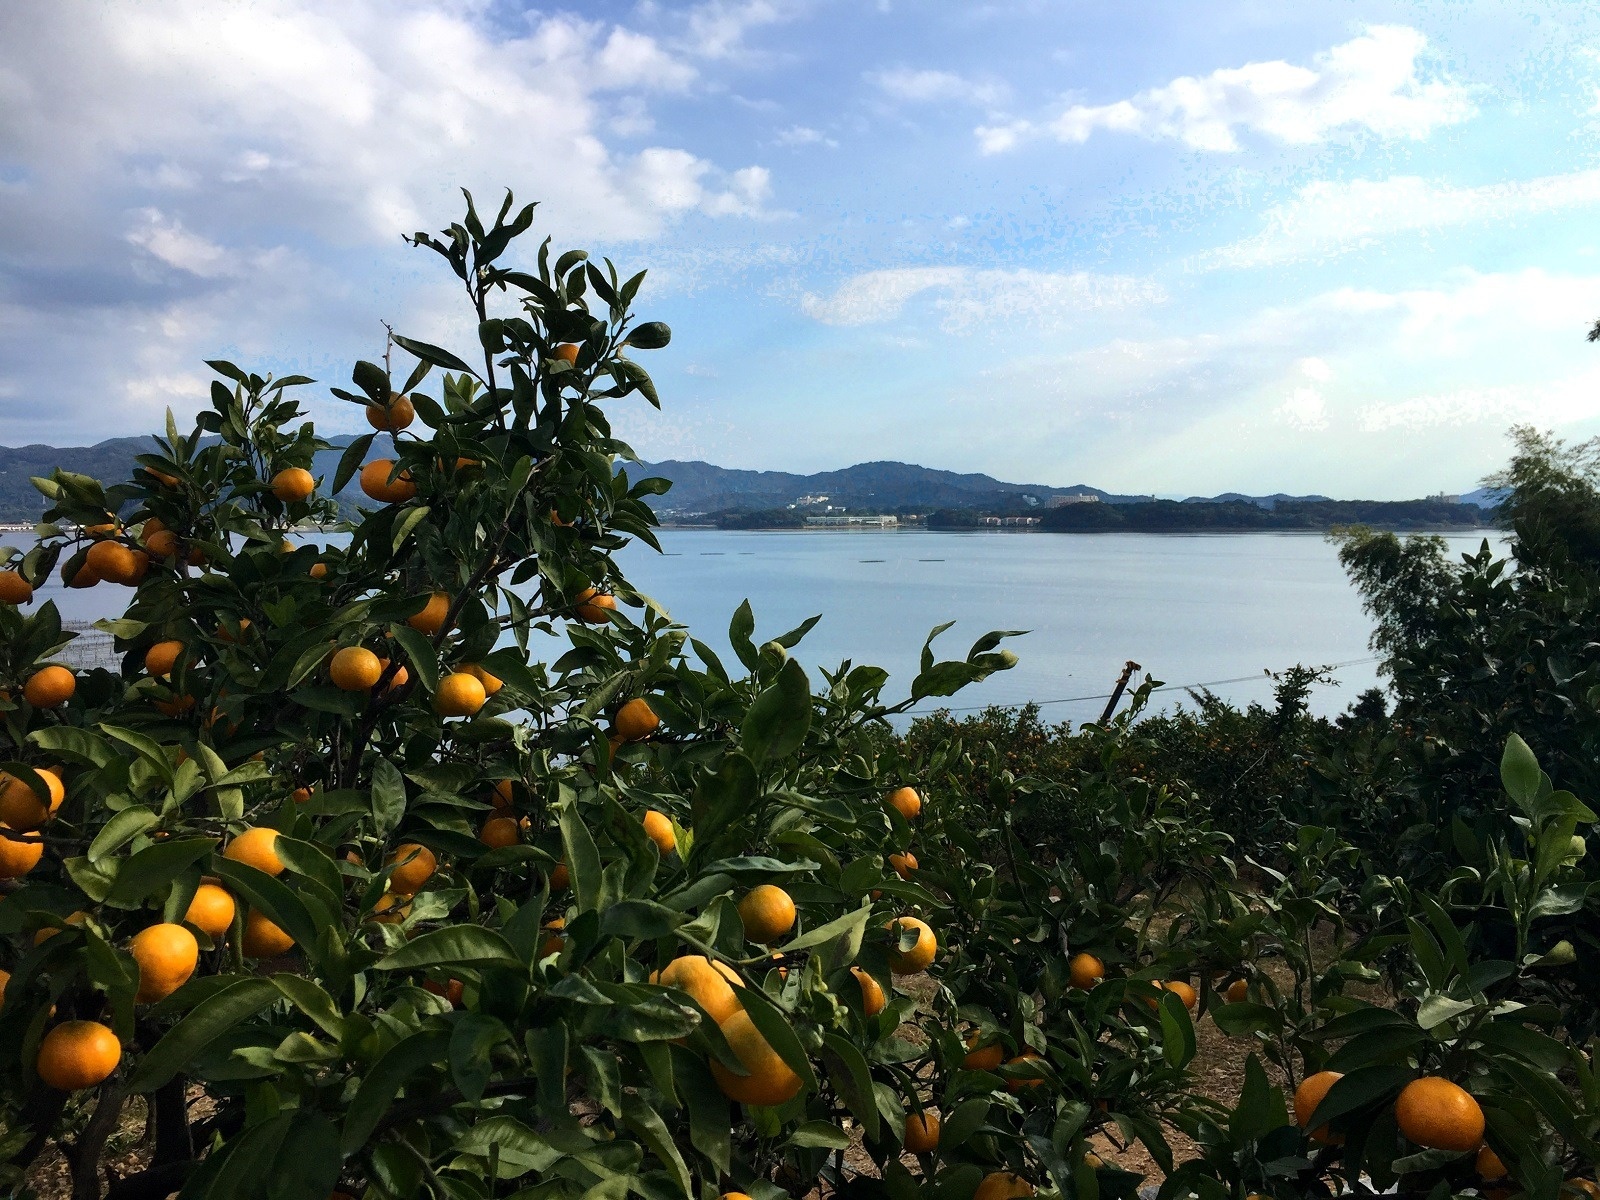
(1187,687)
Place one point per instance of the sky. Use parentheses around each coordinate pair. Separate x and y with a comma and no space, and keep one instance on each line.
(1183,248)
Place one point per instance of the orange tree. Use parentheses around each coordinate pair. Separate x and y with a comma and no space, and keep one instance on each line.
(357,895)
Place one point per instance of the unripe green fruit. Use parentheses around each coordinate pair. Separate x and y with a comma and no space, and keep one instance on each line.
(1577,848)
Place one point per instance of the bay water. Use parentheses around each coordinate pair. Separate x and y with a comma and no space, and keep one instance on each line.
(1218,610)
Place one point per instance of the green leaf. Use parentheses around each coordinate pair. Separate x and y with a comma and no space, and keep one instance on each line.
(780,717)
(964,1121)
(433,354)
(1177,1031)
(454,945)
(388,796)
(472,1041)
(650,1129)
(350,461)
(819,1135)
(639,919)
(202,1025)
(852,1079)
(774,1026)
(1519,772)
(273,898)
(383,1083)
(120,830)
(403,527)
(583,859)
(424,659)
(154,867)
(72,742)
(652,335)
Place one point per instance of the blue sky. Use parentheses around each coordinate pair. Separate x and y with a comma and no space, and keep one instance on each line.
(1183,248)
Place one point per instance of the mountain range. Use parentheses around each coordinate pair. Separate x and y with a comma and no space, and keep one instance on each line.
(698,487)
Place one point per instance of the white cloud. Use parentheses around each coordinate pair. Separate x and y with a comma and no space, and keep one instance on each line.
(717,28)
(1331,217)
(969,297)
(362,115)
(1371,83)
(804,135)
(168,241)
(928,86)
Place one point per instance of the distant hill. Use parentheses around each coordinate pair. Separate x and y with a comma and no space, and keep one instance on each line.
(113,460)
(700,487)
(1267,502)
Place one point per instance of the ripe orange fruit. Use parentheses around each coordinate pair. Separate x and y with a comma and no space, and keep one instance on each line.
(1026,1081)
(491,683)
(452,990)
(112,561)
(1003,1185)
(1085,970)
(1306,1098)
(769,1080)
(293,484)
(636,720)
(393,417)
(167,955)
(17,858)
(355,669)
(50,686)
(76,1055)
(556,939)
(560,877)
(225,634)
(14,589)
(162,657)
(567,352)
(705,981)
(918,958)
(163,543)
(459,695)
(24,810)
(301,795)
(211,910)
(49,931)
(431,619)
(499,831)
(903,864)
(375,482)
(1488,1165)
(922,1133)
(1439,1115)
(982,1058)
(592,607)
(178,704)
(318,571)
(1588,1187)
(263,939)
(1238,990)
(1183,992)
(767,912)
(660,831)
(256,848)
(391,909)
(502,795)
(161,477)
(5,978)
(905,801)
(873,999)
(416,866)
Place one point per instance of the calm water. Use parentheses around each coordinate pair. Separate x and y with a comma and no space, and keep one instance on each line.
(1190,609)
